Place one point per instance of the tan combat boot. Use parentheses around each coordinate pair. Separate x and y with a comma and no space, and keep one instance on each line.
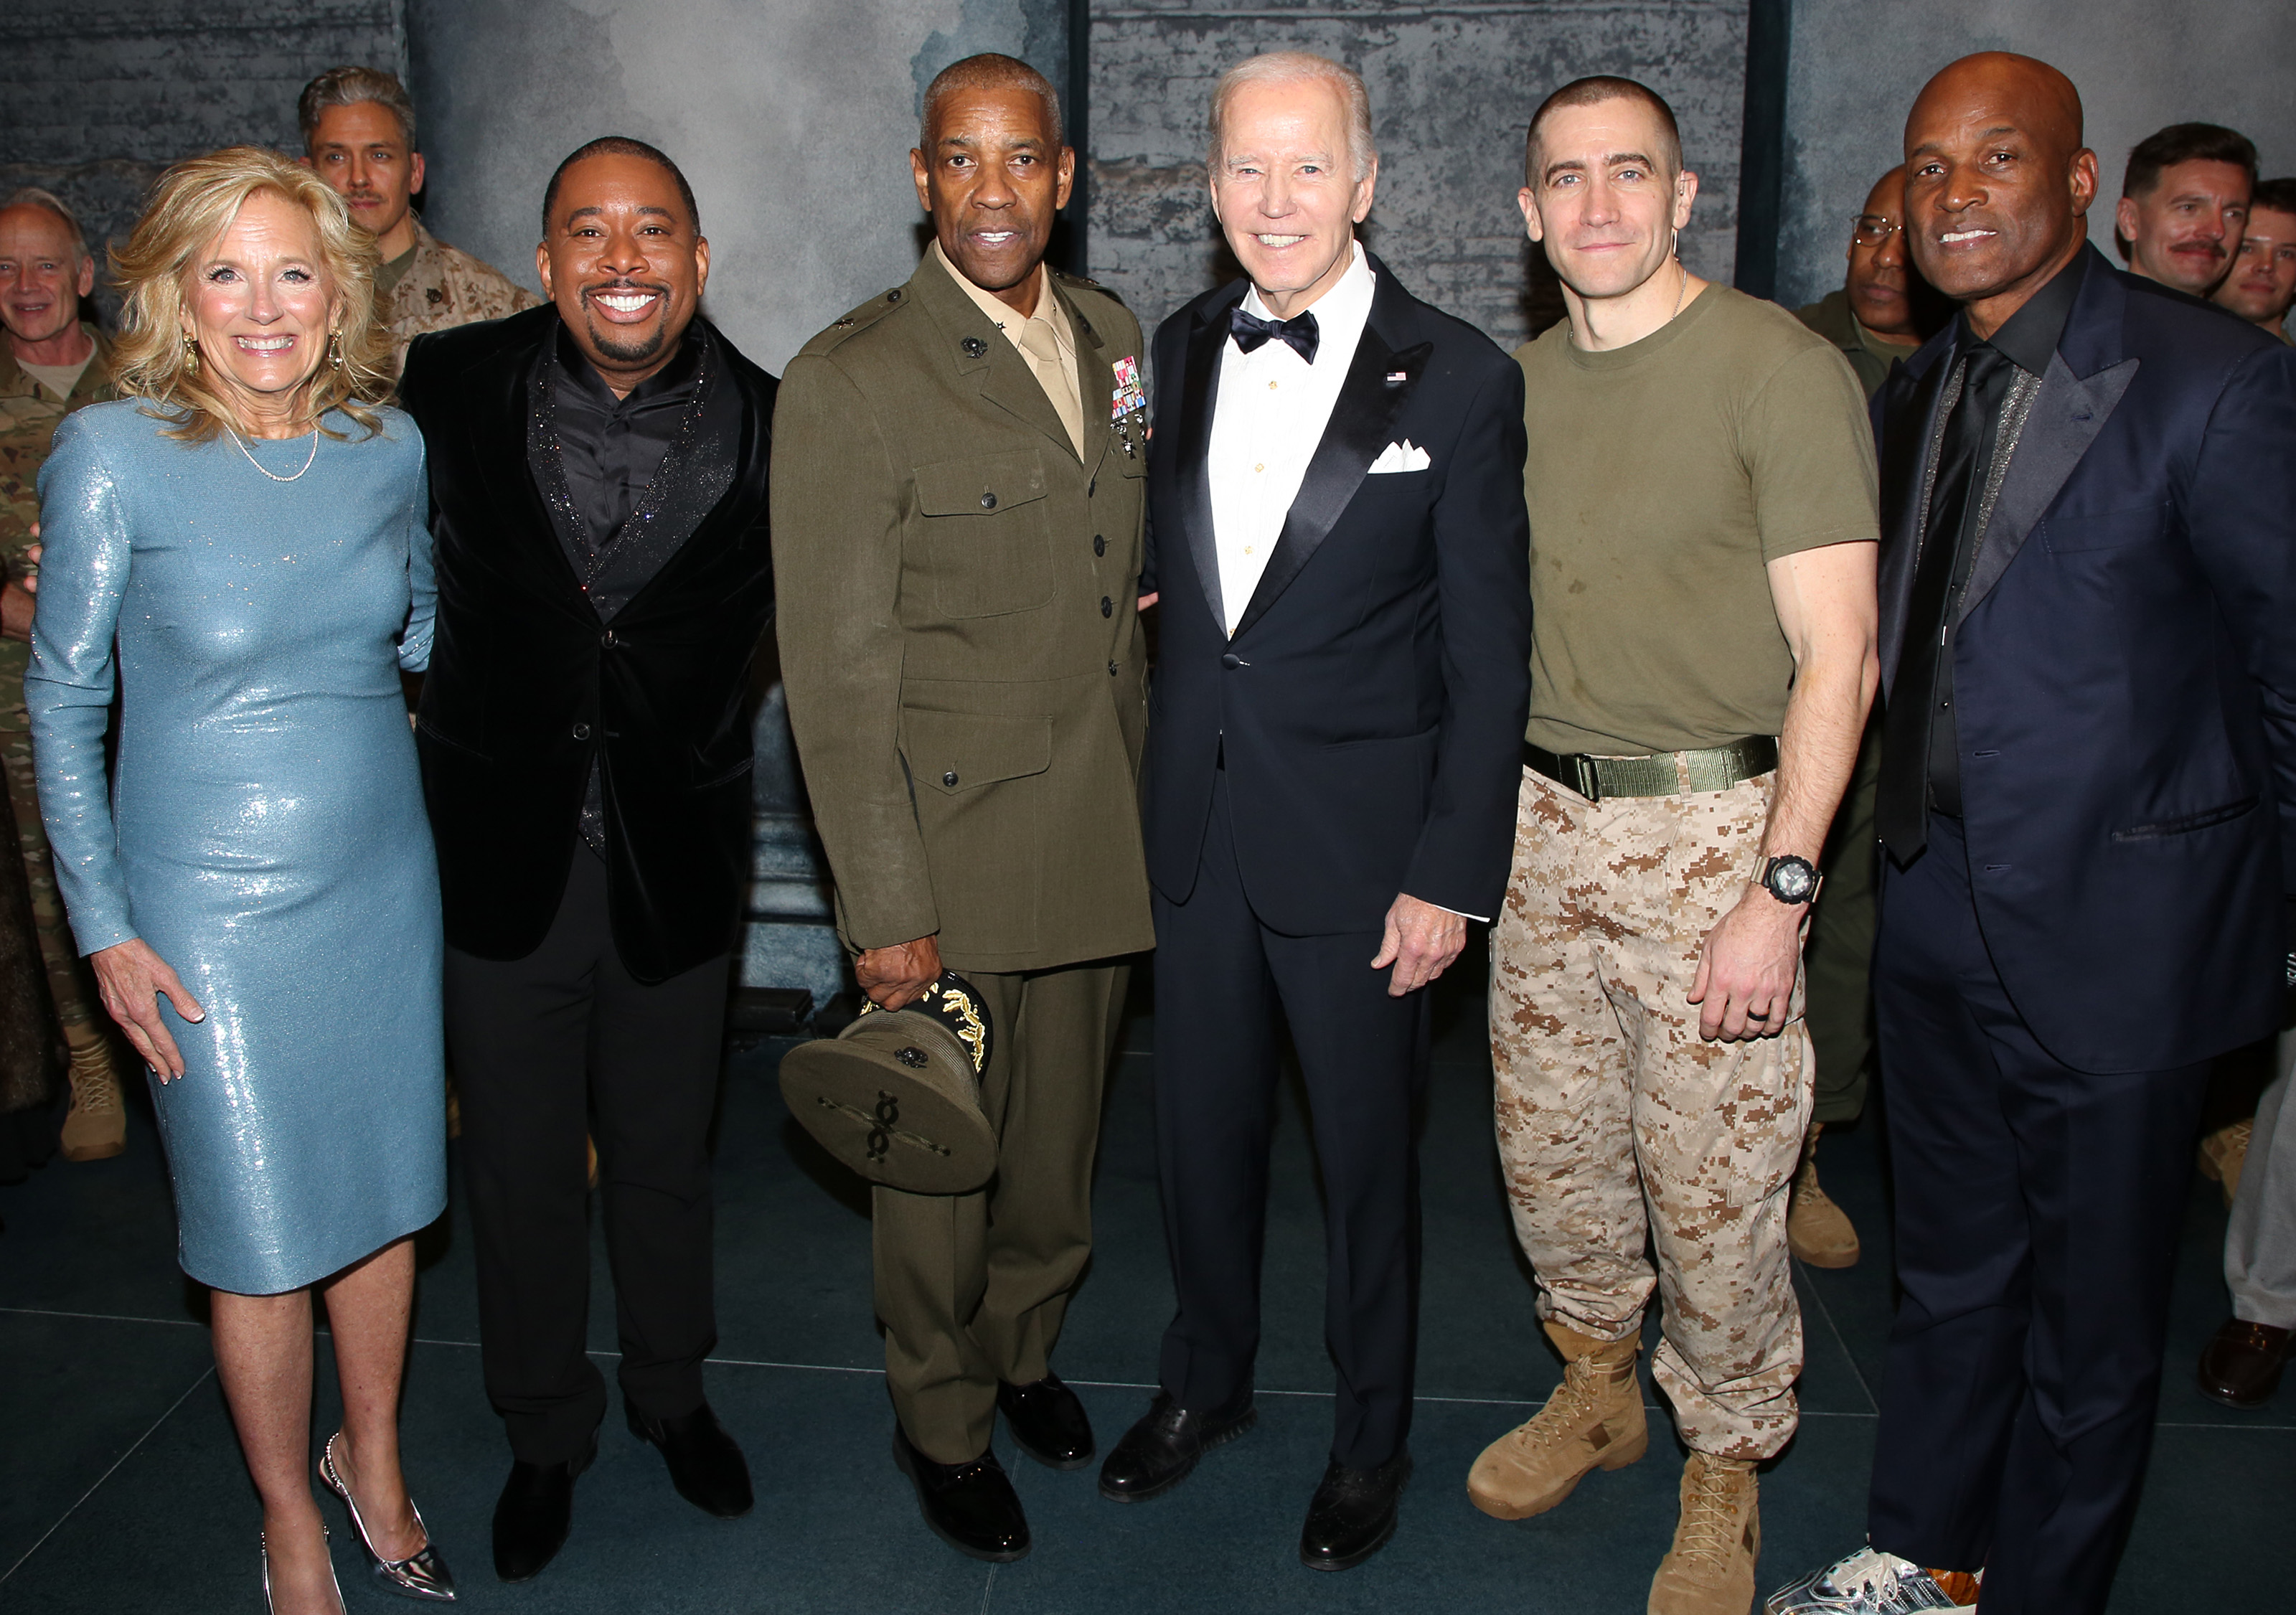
(1817,1231)
(95,1127)
(1593,1420)
(1709,1570)
(2224,1152)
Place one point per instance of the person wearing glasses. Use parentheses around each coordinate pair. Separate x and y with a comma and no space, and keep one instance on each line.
(1882,315)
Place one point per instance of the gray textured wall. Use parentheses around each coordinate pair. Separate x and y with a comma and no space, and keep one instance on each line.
(793,119)
(1857,65)
(101,97)
(1453,88)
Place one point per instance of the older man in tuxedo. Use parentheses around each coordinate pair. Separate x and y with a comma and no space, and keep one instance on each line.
(1334,730)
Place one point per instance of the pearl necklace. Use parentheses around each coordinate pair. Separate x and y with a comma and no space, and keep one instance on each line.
(273,475)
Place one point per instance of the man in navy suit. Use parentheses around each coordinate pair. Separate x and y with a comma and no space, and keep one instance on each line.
(1339,535)
(2088,800)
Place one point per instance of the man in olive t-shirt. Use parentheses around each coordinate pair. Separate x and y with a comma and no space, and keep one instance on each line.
(1703,515)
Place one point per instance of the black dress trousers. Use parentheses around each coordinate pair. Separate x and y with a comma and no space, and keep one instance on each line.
(2037,1212)
(545,1048)
(1222,977)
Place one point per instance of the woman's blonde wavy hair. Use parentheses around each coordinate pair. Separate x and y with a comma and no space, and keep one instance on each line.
(194,204)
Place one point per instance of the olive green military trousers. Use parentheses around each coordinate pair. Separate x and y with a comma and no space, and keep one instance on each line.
(1838,957)
(971,1289)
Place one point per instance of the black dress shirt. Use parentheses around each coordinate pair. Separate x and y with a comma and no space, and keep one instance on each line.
(1921,759)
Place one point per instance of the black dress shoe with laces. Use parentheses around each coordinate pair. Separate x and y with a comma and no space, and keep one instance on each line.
(705,1465)
(971,1506)
(1158,1452)
(1352,1514)
(1047,1421)
(532,1514)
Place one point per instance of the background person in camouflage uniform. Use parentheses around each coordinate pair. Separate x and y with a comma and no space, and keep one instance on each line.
(50,365)
(1701,485)
(358,132)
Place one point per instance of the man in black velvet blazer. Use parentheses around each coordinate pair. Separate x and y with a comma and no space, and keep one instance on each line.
(2088,800)
(598,484)
(1335,734)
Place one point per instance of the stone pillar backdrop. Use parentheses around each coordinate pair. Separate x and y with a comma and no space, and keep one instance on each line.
(1856,66)
(1452,91)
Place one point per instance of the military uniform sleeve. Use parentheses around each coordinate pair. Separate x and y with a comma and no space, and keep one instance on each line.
(837,577)
(68,689)
(1808,452)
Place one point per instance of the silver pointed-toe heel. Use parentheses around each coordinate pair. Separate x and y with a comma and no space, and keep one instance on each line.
(266,1546)
(422,1575)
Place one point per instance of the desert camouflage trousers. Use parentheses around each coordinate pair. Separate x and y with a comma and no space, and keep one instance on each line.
(1618,1126)
(70,984)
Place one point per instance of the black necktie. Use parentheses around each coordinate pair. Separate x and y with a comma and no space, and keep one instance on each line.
(1250,331)
(1901,809)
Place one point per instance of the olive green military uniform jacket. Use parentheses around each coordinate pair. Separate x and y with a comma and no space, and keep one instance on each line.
(28,413)
(1871,356)
(964,666)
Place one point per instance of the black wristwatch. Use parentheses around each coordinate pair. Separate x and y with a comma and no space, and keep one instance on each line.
(1791,881)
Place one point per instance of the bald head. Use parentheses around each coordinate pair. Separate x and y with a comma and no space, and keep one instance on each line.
(1879,294)
(1997,182)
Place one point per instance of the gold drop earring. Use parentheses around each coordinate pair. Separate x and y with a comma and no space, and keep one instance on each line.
(190,356)
(335,349)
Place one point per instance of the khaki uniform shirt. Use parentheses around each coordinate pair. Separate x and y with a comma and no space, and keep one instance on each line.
(957,582)
(28,413)
(444,287)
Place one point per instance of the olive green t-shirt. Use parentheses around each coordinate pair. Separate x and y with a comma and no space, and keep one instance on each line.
(1663,477)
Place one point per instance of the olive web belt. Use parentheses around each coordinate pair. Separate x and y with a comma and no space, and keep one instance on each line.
(1662,773)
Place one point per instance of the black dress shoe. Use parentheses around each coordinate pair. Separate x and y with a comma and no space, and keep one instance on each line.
(1158,1452)
(1047,1421)
(705,1465)
(971,1506)
(531,1515)
(2240,1366)
(1352,1514)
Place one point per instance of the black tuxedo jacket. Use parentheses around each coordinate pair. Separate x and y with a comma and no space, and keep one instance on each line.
(2123,673)
(527,684)
(1371,704)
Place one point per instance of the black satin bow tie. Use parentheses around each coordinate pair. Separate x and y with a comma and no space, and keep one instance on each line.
(1250,331)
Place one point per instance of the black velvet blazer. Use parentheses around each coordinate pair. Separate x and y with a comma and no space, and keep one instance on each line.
(527,684)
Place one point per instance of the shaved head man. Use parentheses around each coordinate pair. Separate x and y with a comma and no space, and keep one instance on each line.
(2086,672)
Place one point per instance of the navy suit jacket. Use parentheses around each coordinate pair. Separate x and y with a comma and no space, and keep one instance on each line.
(2125,673)
(1373,695)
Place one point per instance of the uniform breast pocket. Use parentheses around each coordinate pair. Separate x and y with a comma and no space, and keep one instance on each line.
(2110,529)
(988,539)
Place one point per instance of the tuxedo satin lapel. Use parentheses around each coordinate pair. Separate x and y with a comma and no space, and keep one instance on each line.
(2064,420)
(1907,448)
(1207,344)
(1357,431)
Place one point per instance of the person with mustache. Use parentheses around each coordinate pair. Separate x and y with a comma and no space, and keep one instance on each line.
(2088,807)
(960,477)
(2184,199)
(598,496)
(358,135)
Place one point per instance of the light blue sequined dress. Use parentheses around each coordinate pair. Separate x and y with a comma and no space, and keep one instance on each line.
(265,831)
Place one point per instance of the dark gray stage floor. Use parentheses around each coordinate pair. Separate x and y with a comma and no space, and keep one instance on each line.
(121,1488)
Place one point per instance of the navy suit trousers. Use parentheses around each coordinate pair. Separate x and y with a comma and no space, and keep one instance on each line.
(2038,1212)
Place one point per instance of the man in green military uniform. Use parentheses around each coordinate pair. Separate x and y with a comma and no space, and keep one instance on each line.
(50,364)
(358,135)
(1876,319)
(958,474)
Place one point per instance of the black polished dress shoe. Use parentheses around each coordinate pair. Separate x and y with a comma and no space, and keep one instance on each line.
(705,1465)
(1047,1421)
(971,1506)
(531,1515)
(1158,1452)
(1352,1513)
(2241,1365)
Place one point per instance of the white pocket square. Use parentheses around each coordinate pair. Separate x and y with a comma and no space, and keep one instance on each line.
(1398,457)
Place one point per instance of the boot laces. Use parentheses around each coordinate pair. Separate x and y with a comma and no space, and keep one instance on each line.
(94,1093)
(1709,1530)
(1572,1405)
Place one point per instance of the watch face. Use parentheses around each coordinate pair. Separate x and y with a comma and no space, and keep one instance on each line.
(1791,880)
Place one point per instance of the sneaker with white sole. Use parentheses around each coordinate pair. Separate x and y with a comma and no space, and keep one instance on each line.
(1869,1582)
